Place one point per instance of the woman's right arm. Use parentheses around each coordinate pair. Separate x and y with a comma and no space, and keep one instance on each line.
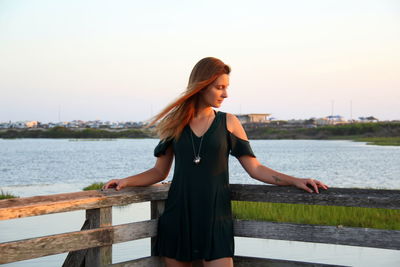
(152,176)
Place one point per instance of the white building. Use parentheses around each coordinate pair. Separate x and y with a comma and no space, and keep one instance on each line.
(253,118)
(32,124)
(5,125)
(322,121)
(331,120)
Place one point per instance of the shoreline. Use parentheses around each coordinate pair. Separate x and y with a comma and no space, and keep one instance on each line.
(380,133)
(379,141)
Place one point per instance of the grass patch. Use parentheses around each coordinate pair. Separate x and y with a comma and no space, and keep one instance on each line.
(313,214)
(62,132)
(98,186)
(6,195)
(381,141)
(94,186)
(344,137)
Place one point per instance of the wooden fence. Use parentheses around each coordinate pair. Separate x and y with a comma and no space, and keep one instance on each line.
(92,246)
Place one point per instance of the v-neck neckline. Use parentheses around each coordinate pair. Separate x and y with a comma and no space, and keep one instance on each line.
(209,128)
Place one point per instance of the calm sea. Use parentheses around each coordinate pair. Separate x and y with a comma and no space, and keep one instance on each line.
(31,167)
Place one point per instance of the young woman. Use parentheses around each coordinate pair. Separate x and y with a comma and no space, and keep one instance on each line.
(197,221)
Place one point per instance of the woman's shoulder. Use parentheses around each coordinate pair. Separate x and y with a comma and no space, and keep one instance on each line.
(234,126)
(230,118)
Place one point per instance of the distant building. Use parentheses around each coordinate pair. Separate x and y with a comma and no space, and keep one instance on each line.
(331,120)
(5,125)
(18,125)
(253,118)
(293,121)
(368,119)
(31,124)
(76,124)
(322,121)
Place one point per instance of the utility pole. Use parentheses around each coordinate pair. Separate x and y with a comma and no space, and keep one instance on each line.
(59,113)
(351,110)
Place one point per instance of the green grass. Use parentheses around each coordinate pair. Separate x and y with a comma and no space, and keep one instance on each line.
(310,214)
(344,137)
(99,185)
(6,195)
(381,141)
(62,132)
(313,214)
(94,186)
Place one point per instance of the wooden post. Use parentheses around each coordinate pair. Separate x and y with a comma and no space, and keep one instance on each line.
(100,256)
(77,258)
(157,208)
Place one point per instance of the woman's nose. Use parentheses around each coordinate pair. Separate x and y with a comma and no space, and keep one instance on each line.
(225,94)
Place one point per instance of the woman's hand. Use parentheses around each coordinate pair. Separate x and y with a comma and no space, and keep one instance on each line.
(118,184)
(309,185)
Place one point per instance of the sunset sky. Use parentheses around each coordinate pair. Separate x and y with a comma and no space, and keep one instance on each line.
(125,60)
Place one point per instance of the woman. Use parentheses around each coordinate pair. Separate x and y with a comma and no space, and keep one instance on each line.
(197,221)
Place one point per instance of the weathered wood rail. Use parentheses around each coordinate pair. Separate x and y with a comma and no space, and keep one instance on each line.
(92,246)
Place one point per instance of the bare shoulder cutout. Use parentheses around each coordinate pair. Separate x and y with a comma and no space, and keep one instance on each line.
(235,127)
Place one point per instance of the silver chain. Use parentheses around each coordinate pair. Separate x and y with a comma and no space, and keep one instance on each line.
(197,157)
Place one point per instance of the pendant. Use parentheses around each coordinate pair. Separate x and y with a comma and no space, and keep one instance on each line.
(197,160)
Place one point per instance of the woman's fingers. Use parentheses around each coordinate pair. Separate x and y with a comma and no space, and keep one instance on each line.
(311,185)
(315,184)
(118,187)
(306,188)
(118,184)
(111,184)
(322,185)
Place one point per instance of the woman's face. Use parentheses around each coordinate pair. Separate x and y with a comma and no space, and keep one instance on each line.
(216,92)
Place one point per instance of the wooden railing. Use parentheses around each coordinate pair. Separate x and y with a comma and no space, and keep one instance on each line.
(92,246)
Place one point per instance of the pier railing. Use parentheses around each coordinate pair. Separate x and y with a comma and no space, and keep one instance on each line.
(92,245)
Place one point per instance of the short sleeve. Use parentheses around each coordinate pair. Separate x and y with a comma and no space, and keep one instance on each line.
(162,147)
(239,147)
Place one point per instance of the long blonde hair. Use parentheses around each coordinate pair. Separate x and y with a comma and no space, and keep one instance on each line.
(173,118)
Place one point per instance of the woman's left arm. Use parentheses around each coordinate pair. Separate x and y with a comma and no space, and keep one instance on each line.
(264,174)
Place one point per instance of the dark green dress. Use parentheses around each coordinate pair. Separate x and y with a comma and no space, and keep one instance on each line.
(197,221)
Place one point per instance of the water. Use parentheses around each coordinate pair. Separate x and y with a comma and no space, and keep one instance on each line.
(31,167)
(44,166)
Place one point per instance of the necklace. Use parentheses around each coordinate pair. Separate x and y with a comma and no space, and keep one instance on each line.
(197,157)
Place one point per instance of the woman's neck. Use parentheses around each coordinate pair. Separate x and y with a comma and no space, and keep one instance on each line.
(204,112)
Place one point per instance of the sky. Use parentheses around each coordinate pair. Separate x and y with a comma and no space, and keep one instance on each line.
(126,60)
